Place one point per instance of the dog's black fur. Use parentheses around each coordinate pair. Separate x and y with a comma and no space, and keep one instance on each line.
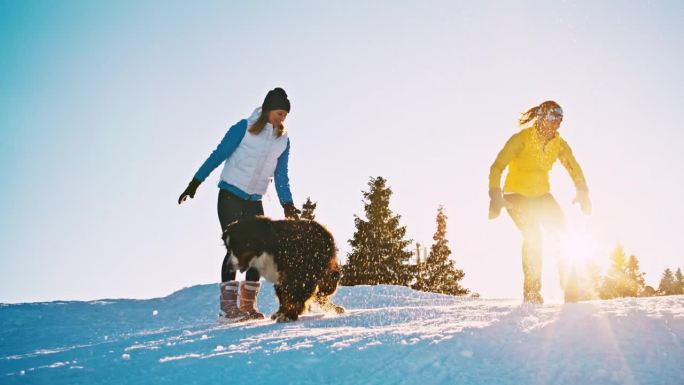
(304,255)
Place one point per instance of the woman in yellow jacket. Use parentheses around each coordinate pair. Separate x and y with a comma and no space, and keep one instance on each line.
(529,156)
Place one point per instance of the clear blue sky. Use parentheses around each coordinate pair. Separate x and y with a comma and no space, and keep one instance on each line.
(107,109)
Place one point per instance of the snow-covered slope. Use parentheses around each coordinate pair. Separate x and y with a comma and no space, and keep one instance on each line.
(390,335)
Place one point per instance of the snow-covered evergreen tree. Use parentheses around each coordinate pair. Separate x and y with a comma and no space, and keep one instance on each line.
(438,274)
(308,209)
(378,253)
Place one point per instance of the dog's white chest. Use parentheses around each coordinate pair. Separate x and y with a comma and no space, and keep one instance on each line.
(266,267)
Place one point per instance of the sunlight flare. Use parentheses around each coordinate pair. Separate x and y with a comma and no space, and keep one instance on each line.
(579,246)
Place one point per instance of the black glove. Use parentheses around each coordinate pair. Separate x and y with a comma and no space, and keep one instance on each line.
(291,212)
(190,190)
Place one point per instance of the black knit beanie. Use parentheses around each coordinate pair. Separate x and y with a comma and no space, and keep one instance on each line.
(276,99)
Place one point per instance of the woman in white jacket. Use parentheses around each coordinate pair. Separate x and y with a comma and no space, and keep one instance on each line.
(253,151)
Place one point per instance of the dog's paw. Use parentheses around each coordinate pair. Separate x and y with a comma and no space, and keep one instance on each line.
(281,318)
(328,307)
(275,315)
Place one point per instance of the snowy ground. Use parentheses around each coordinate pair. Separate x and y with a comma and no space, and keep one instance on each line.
(390,335)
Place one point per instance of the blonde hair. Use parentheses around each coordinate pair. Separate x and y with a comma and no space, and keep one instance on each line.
(536,111)
(260,123)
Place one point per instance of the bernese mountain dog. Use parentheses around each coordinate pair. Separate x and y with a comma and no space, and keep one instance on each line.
(297,256)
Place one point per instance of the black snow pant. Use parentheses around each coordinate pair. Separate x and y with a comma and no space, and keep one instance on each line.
(230,209)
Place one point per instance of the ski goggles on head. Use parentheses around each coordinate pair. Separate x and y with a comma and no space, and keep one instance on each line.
(552,115)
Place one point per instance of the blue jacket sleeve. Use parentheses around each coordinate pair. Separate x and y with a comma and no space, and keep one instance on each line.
(282,180)
(225,149)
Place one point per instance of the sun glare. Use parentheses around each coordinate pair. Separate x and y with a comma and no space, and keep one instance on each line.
(580,256)
(579,247)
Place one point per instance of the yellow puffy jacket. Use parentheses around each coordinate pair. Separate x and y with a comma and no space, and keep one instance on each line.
(529,157)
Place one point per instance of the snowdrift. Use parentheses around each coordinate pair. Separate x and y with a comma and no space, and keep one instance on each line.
(390,335)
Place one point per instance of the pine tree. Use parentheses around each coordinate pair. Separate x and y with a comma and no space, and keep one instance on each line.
(378,253)
(679,282)
(592,281)
(624,279)
(438,274)
(634,279)
(419,268)
(649,291)
(613,282)
(667,283)
(308,209)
